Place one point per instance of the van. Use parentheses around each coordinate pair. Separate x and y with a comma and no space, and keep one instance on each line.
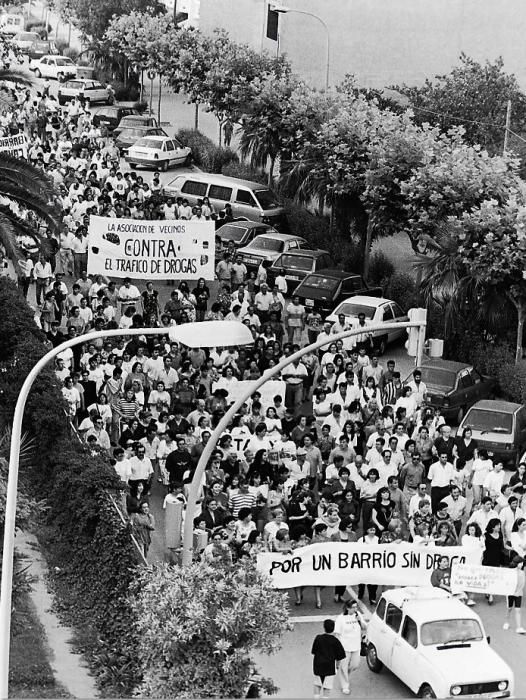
(11,24)
(436,645)
(247,199)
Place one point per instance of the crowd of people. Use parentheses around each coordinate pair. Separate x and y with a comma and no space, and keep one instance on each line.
(348,452)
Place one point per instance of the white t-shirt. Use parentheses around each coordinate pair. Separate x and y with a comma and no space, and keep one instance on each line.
(347,628)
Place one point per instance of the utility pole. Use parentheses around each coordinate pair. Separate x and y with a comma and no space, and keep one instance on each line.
(507,128)
(175,10)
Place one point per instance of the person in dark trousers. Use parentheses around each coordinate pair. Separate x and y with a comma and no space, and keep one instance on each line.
(328,652)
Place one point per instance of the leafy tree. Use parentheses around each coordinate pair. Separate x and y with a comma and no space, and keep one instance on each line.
(472,95)
(198,626)
(93,17)
(141,37)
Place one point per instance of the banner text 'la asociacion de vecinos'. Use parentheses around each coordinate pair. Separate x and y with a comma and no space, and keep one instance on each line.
(151,250)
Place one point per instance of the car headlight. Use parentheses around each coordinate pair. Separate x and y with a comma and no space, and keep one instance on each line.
(502,685)
(455,690)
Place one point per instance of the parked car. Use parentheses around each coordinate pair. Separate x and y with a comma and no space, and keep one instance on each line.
(110,117)
(131,134)
(298,264)
(376,310)
(436,645)
(89,90)
(323,289)
(268,247)
(24,40)
(247,199)
(499,427)
(238,234)
(40,48)
(133,121)
(11,23)
(58,67)
(158,152)
(454,386)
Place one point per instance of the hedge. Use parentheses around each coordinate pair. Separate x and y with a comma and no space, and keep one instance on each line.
(82,535)
(205,153)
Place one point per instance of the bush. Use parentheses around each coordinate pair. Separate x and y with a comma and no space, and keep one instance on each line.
(315,229)
(245,172)
(36,25)
(125,93)
(71,52)
(141,107)
(402,289)
(205,153)
(381,269)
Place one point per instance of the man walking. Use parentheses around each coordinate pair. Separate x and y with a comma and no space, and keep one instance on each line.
(328,652)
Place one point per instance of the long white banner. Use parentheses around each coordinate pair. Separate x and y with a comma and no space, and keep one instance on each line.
(151,250)
(341,564)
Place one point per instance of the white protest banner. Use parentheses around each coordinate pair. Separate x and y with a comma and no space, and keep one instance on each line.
(14,145)
(268,391)
(347,564)
(151,250)
(490,580)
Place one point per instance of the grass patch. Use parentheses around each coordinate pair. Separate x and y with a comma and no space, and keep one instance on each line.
(30,673)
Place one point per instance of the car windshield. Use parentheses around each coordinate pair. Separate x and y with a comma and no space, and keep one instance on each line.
(487,421)
(232,233)
(64,62)
(41,45)
(327,284)
(350,309)
(149,143)
(267,199)
(438,376)
(26,37)
(449,631)
(129,132)
(263,243)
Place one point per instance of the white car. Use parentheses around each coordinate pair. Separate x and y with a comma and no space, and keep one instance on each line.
(158,152)
(24,40)
(376,310)
(58,67)
(436,645)
(91,90)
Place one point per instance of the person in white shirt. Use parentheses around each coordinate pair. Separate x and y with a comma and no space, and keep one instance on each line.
(414,502)
(122,465)
(348,628)
(418,388)
(277,523)
(341,325)
(42,273)
(508,515)
(480,469)
(441,475)
(518,537)
(494,480)
(484,514)
(281,283)
(128,295)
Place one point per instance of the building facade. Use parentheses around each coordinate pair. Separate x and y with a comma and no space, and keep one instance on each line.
(382,42)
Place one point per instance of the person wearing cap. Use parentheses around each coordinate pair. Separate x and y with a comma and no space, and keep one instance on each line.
(300,468)
(515,601)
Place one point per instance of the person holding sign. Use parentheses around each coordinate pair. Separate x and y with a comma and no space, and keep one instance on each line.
(515,600)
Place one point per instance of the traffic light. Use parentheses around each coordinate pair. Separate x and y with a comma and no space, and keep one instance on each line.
(272,24)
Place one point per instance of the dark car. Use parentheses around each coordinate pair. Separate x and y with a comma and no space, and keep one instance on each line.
(237,234)
(324,289)
(41,48)
(109,117)
(298,264)
(500,428)
(454,386)
(130,134)
(134,121)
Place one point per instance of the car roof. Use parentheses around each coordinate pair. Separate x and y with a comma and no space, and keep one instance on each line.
(366,301)
(498,406)
(138,117)
(427,604)
(332,272)
(280,236)
(247,225)
(226,179)
(305,252)
(158,137)
(446,364)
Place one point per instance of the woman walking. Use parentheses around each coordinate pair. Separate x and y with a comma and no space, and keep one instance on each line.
(143,524)
(349,627)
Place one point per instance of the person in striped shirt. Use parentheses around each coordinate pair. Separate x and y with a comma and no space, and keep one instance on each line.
(242,499)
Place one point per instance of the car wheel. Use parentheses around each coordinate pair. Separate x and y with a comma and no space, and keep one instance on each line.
(382,345)
(133,166)
(38,74)
(164,166)
(426,691)
(374,663)
(460,414)
(110,100)
(188,160)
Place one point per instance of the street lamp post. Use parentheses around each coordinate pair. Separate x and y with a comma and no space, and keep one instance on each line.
(203,334)
(287,10)
(193,494)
